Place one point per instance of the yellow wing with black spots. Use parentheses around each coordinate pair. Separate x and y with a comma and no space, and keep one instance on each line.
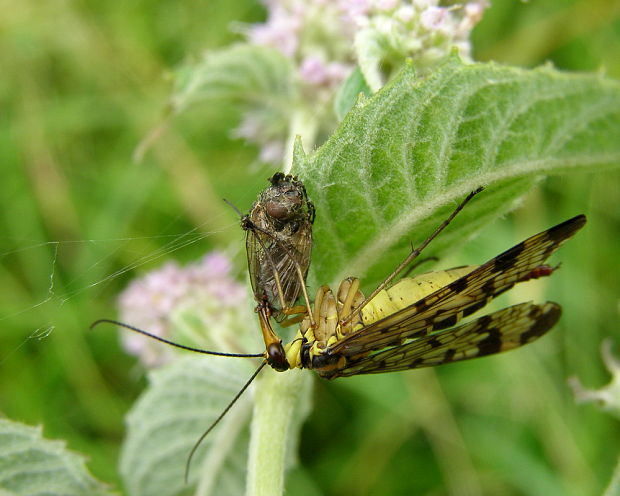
(500,331)
(460,298)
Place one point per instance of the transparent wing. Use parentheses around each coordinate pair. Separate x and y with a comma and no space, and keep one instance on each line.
(297,253)
(254,252)
(268,254)
(503,330)
(446,306)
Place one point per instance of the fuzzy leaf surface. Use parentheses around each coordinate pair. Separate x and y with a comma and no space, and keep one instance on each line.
(34,466)
(244,73)
(182,400)
(402,159)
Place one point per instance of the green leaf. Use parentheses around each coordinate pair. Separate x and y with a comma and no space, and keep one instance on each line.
(370,50)
(181,402)
(183,399)
(613,489)
(349,92)
(241,73)
(31,465)
(401,160)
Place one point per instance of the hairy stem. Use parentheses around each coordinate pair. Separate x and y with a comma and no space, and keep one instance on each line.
(276,415)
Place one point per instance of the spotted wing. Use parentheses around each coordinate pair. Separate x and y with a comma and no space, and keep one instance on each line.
(446,306)
(503,330)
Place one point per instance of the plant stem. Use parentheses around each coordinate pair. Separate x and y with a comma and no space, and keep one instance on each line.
(277,414)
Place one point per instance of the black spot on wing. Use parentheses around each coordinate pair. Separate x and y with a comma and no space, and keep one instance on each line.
(418,362)
(484,322)
(566,229)
(434,342)
(490,344)
(474,308)
(459,285)
(509,258)
(445,323)
(542,322)
(449,355)
(422,305)
(488,288)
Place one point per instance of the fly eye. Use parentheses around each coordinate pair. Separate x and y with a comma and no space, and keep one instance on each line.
(277,210)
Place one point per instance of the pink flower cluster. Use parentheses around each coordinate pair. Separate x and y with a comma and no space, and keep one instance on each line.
(313,35)
(149,302)
(319,35)
(326,39)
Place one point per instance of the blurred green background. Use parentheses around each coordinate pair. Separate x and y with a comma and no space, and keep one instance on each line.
(83,82)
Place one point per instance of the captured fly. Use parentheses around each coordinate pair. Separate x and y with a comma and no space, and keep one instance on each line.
(279,244)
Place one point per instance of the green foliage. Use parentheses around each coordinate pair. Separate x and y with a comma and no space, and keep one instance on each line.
(182,400)
(349,92)
(614,486)
(242,73)
(32,465)
(401,160)
(79,220)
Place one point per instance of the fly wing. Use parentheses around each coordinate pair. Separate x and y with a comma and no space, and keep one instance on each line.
(463,296)
(255,253)
(293,252)
(503,330)
(272,252)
